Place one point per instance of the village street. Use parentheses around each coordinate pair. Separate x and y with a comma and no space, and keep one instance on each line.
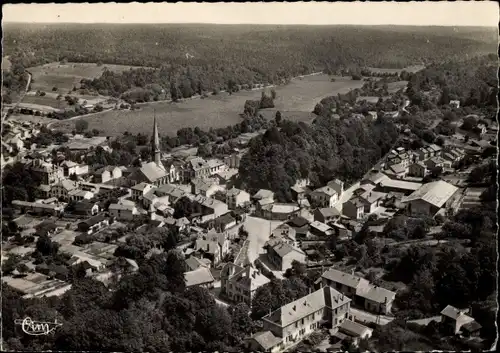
(259,231)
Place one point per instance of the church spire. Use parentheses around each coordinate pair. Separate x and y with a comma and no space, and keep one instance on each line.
(155,148)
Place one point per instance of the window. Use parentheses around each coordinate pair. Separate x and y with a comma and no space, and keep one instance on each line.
(302,322)
(296,324)
(313,315)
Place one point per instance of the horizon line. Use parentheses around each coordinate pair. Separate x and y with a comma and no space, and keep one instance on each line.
(242,24)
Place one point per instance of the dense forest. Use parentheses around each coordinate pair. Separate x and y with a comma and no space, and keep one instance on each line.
(327,149)
(473,81)
(192,59)
(150,310)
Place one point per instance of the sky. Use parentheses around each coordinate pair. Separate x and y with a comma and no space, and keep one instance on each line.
(459,13)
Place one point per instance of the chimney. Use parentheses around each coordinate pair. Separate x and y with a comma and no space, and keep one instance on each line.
(342,297)
(352,272)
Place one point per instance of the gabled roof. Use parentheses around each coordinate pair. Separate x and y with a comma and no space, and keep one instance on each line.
(436,193)
(67,184)
(207,246)
(397,168)
(284,249)
(140,186)
(266,339)
(194,263)
(353,328)
(250,278)
(152,171)
(263,194)
(345,278)
(311,303)
(199,276)
(452,312)
(325,190)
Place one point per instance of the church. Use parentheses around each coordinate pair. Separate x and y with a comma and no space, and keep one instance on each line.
(154,172)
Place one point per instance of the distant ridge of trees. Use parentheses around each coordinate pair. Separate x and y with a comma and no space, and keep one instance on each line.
(231,56)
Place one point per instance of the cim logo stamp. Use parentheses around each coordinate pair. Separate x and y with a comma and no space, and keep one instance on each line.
(37,328)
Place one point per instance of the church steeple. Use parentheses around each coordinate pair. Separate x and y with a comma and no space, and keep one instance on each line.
(155,148)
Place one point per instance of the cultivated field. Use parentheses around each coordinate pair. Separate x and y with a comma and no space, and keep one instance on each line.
(46,101)
(66,76)
(295,100)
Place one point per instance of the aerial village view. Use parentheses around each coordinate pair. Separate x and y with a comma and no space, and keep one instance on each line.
(199,187)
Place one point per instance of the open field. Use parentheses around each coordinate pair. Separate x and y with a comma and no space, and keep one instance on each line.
(65,76)
(393,87)
(46,101)
(412,69)
(295,100)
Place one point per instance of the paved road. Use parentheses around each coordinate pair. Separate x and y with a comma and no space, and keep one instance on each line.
(259,231)
(364,316)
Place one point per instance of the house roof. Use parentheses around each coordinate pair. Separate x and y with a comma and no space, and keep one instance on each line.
(250,278)
(94,220)
(326,190)
(233,192)
(434,147)
(199,276)
(266,339)
(284,208)
(311,303)
(298,222)
(400,184)
(140,186)
(121,207)
(376,177)
(321,227)
(353,328)
(372,196)
(357,202)
(194,263)
(198,163)
(345,278)
(472,326)
(152,171)
(452,312)
(208,201)
(227,174)
(436,193)
(109,168)
(397,168)
(67,184)
(377,294)
(207,246)
(284,249)
(225,219)
(220,238)
(263,194)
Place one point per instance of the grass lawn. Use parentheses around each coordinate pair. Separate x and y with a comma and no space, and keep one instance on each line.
(295,100)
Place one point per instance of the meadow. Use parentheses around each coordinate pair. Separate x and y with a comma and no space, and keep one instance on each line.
(411,69)
(296,101)
(66,76)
